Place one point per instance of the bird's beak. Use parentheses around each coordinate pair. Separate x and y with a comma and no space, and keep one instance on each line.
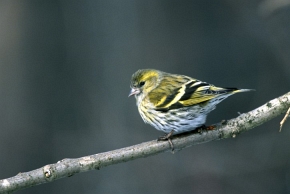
(134,91)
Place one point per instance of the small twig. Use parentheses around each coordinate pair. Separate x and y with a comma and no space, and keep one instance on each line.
(284,119)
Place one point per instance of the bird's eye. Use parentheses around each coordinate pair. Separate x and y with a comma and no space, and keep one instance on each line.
(141,83)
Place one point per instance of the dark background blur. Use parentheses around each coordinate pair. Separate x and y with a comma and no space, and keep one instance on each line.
(65,69)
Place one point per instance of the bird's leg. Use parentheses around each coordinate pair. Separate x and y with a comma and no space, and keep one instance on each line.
(167,137)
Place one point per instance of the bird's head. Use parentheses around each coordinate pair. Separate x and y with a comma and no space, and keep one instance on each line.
(143,81)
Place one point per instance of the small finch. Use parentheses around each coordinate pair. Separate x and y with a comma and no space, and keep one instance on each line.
(175,103)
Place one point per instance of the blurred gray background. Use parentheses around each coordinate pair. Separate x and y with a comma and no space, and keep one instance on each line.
(65,69)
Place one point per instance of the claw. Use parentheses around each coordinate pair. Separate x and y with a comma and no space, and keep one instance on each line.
(167,137)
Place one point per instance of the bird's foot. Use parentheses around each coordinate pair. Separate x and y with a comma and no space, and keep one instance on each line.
(211,127)
(167,137)
(205,128)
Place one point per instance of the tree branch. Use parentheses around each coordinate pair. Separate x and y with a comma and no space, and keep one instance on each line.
(69,167)
(284,119)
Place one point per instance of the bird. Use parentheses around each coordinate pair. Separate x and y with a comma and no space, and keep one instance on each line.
(174,103)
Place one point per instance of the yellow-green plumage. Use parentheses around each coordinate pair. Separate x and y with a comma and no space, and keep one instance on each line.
(175,102)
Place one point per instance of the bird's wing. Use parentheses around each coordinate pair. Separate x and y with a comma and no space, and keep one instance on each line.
(177,94)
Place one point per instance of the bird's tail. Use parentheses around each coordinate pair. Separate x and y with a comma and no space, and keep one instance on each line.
(243,90)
